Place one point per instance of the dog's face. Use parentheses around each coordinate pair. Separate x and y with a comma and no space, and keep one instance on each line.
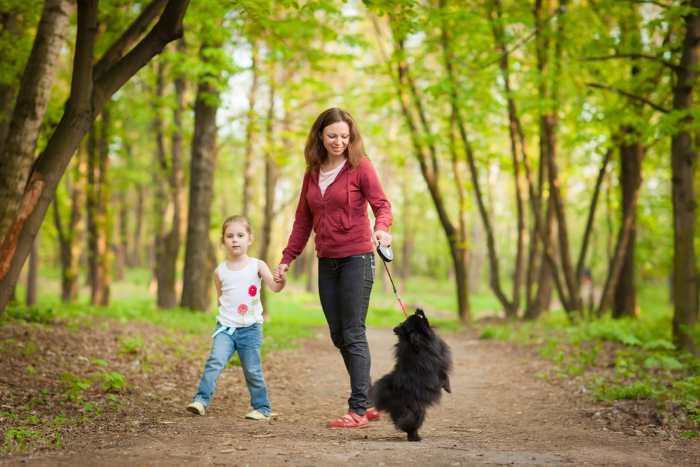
(415,328)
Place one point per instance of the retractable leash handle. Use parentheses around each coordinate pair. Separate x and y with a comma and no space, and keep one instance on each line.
(387,255)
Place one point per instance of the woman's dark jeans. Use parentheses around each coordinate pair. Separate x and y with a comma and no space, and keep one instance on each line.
(344,285)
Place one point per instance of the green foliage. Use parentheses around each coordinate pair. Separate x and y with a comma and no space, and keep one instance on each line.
(112,381)
(75,386)
(32,314)
(131,345)
(636,390)
(664,362)
(16,40)
(495,332)
(617,359)
(17,439)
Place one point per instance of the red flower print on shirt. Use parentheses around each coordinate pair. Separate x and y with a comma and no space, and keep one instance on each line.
(252,290)
(242,309)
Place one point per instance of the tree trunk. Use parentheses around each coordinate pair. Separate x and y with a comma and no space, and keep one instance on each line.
(518,152)
(426,155)
(93,269)
(631,155)
(32,274)
(89,93)
(99,213)
(177,180)
(122,245)
(542,299)
(548,126)
(70,237)
(271,177)
(135,256)
(683,164)
(167,194)
(32,101)
(250,135)
(196,286)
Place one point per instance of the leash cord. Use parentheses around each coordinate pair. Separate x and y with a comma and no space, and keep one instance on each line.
(403,307)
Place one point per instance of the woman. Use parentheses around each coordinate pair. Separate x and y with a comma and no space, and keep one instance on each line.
(338,184)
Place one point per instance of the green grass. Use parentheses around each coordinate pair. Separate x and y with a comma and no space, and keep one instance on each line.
(293,313)
(644,365)
(636,390)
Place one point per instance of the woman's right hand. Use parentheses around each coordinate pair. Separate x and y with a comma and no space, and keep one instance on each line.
(280,273)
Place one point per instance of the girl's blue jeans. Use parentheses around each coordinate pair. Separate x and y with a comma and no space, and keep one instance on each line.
(247,342)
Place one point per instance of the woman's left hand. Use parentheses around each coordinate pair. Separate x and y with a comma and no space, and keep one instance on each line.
(381,237)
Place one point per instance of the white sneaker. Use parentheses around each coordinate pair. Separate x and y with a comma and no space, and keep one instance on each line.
(257,415)
(197,408)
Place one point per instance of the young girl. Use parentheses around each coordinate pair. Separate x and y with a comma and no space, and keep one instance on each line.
(239,323)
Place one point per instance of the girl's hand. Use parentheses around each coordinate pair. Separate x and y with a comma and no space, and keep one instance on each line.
(280,273)
(381,237)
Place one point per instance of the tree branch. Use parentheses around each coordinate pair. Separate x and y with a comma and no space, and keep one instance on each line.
(617,55)
(131,35)
(652,2)
(167,29)
(591,214)
(81,84)
(629,95)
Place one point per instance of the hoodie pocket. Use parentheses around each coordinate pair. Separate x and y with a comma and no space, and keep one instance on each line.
(345,220)
(340,221)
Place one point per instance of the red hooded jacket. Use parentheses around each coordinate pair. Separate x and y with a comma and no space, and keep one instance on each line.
(339,217)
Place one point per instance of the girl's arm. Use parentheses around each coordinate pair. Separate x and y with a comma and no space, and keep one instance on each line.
(266,276)
(303,222)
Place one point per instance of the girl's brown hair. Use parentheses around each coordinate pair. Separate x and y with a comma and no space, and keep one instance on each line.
(232,220)
(315,153)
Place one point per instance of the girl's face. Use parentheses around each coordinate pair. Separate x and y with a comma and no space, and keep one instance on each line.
(336,138)
(236,239)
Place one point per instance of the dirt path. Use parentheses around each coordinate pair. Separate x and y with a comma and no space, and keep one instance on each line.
(500,413)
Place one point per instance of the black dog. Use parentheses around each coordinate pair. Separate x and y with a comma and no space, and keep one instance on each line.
(423,362)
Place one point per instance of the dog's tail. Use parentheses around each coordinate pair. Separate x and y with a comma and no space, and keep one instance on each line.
(381,392)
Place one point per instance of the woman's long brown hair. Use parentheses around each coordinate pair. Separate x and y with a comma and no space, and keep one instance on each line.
(315,153)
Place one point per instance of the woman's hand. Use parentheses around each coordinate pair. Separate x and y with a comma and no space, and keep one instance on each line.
(280,273)
(381,237)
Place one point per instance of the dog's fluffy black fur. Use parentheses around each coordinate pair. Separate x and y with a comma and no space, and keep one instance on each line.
(421,372)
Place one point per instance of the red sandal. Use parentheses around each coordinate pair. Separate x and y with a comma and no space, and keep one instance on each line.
(373,414)
(349,420)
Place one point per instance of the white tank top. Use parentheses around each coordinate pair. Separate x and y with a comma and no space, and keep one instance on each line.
(326,178)
(239,304)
